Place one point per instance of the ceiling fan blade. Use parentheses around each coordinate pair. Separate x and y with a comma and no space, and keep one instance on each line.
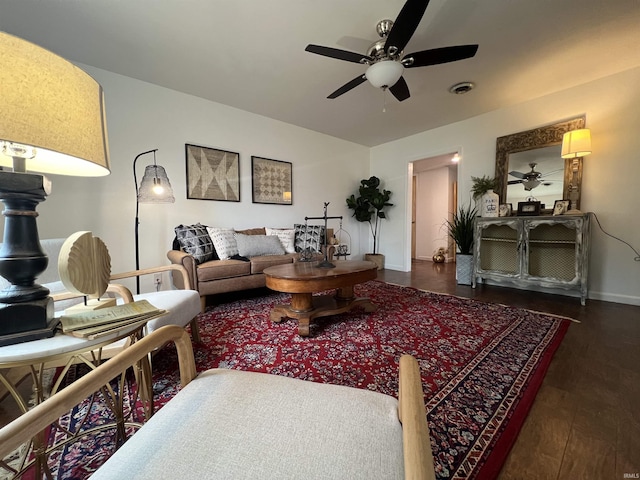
(517,174)
(436,56)
(400,90)
(337,53)
(348,86)
(514,182)
(405,25)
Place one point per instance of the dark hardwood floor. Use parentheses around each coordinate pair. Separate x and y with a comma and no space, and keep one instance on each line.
(585,421)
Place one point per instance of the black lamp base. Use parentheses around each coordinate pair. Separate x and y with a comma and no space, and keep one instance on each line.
(23,322)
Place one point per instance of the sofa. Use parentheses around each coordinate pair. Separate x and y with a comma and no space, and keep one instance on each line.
(239,424)
(223,260)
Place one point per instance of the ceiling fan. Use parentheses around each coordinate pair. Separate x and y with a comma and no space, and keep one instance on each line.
(532,179)
(385,59)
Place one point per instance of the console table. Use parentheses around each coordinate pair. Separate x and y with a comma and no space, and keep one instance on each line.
(545,252)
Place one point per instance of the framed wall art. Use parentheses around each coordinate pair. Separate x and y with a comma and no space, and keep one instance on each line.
(271,181)
(212,174)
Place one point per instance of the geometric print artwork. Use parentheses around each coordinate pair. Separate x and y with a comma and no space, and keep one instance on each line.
(212,174)
(271,181)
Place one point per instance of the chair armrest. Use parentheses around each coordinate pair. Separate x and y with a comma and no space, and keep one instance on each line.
(122,291)
(147,271)
(418,458)
(178,257)
(40,417)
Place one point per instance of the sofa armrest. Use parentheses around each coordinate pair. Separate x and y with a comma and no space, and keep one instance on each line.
(40,417)
(178,257)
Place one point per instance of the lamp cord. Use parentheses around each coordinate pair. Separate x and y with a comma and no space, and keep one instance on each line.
(636,258)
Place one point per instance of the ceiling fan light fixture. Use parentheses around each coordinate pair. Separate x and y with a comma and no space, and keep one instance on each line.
(385,73)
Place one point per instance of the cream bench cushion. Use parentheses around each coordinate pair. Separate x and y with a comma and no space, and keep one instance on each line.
(245,425)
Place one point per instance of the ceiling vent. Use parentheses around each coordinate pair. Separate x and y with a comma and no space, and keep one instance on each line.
(462,87)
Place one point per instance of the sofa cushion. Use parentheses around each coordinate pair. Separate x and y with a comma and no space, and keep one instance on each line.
(224,241)
(287,237)
(258,264)
(218,269)
(195,241)
(255,245)
(252,231)
(309,237)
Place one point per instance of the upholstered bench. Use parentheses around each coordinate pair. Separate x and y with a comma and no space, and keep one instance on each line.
(230,424)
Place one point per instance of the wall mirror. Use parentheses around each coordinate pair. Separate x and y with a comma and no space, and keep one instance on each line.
(528,164)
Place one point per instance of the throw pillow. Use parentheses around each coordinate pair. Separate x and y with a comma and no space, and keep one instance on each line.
(287,237)
(195,241)
(309,237)
(254,245)
(224,241)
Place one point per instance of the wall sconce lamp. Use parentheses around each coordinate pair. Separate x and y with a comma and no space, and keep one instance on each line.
(154,188)
(575,145)
(52,120)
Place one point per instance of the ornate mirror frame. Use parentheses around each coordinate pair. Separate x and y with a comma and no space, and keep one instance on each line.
(537,138)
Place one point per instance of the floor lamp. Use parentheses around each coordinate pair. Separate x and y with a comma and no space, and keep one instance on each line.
(154,188)
(52,120)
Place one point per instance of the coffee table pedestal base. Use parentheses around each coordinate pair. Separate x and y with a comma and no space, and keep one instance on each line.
(305,307)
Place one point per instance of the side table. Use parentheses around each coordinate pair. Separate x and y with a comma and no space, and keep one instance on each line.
(66,350)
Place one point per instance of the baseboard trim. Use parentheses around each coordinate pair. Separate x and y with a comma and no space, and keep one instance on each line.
(615,298)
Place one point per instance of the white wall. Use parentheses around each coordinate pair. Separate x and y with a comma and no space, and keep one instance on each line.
(609,188)
(142,117)
(432,207)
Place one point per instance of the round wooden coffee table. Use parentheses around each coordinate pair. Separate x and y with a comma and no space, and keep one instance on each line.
(302,279)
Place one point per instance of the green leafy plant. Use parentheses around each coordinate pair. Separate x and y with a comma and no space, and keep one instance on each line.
(369,206)
(460,228)
(482,185)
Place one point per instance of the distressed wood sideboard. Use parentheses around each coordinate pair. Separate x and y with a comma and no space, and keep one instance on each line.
(546,253)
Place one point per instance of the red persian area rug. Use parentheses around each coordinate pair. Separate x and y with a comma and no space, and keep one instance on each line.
(482,365)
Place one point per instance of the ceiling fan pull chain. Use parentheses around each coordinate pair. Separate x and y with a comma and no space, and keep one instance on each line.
(384,100)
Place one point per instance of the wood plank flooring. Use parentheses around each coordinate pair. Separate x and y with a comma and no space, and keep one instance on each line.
(585,421)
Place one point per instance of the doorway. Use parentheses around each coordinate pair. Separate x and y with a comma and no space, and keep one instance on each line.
(434,197)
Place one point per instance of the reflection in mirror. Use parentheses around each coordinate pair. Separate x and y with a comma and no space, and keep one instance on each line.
(518,146)
(535,175)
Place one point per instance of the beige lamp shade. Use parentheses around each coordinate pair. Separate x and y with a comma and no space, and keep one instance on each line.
(576,143)
(50,104)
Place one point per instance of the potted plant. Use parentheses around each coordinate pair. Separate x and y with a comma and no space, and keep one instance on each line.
(484,195)
(460,229)
(369,207)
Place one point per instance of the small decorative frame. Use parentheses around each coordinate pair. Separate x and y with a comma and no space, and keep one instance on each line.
(561,207)
(212,174)
(505,210)
(528,208)
(271,181)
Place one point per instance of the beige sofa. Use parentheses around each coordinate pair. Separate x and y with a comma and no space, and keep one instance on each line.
(223,276)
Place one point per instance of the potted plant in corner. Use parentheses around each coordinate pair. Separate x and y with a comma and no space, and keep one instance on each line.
(369,207)
(460,229)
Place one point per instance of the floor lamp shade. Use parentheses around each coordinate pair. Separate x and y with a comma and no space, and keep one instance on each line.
(52,120)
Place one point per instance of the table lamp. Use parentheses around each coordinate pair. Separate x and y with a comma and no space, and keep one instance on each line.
(52,120)
(575,144)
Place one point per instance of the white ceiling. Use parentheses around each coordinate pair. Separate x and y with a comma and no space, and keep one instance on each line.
(250,54)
